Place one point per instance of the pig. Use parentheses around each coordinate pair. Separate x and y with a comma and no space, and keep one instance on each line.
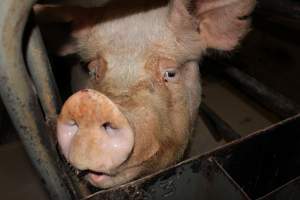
(135,112)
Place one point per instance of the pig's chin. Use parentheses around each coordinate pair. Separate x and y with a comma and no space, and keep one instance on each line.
(103,180)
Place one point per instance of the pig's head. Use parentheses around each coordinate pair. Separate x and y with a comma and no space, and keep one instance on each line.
(144,91)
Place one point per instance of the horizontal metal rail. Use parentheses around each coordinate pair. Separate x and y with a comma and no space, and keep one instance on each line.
(267,97)
(270,99)
(217,126)
(286,8)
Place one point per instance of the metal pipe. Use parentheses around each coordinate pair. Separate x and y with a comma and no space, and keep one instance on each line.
(43,78)
(285,8)
(42,75)
(218,127)
(264,95)
(18,95)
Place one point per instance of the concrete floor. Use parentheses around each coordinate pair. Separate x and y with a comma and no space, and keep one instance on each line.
(18,178)
(20,181)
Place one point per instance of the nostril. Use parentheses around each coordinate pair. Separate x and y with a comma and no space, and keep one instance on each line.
(107,125)
(72,123)
(109,128)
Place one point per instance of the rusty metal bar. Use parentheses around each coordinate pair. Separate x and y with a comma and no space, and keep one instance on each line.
(41,73)
(229,172)
(264,95)
(18,95)
(217,126)
(198,179)
(43,78)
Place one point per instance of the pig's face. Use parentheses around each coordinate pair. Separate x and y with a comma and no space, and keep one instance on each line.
(144,93)
(129,132)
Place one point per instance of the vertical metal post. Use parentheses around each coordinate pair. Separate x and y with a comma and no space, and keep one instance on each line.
(43,78)
(18,95)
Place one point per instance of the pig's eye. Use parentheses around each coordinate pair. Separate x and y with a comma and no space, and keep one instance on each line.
(92,68)
(170,75)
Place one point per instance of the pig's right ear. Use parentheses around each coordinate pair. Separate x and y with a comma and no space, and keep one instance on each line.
(62,26)
(220,23)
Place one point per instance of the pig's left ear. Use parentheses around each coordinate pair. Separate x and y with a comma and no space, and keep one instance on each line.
(220,23)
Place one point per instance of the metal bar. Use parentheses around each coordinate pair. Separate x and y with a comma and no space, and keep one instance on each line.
(43,78)
(199,179)
(18,95)
(264,95)
(287,8)
(217,126)
(264,160)
(217,174)
(41,73)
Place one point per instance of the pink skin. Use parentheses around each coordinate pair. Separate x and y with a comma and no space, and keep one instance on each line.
(114,139)
(65,133)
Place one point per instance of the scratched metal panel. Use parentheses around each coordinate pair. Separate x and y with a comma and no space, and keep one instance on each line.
(195,179)
(266,161)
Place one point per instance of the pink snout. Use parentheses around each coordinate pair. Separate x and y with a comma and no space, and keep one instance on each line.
(93,134)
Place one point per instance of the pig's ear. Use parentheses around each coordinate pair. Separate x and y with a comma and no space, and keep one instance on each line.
(220,23)
(62,26)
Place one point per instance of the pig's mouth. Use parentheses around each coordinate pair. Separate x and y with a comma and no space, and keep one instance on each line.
(97,177)
(90,172)
(94,176)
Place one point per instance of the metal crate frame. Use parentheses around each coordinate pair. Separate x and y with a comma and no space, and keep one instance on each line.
(29,92)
